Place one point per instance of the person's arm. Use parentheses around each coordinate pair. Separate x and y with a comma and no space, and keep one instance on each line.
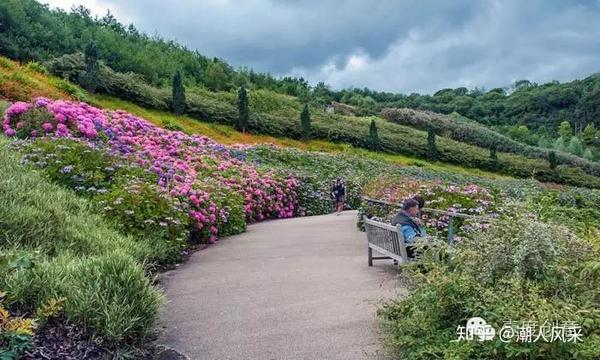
(409,234)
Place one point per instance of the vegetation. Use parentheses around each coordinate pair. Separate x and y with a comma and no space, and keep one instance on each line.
(305,123)
(54,246)
(178,94)
(243,110)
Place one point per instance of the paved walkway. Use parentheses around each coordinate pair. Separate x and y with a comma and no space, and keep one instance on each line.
(287,289)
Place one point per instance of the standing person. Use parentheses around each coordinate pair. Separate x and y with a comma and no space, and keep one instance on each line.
(338,192)
(410,225)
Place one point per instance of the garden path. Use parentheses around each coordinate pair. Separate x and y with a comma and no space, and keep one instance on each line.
(288,289)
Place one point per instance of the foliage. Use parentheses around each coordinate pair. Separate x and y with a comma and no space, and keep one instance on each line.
(195,172)
(178,97)
(373,136)
(431,148)
(243,110)
(89,77)
(552,160)
(15,333)
(305,123)
(59,242)
(518,270)
(470,199)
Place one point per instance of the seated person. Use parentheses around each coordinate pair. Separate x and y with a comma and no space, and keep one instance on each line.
(410,225)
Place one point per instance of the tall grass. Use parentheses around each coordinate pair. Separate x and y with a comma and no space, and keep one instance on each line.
(67,251)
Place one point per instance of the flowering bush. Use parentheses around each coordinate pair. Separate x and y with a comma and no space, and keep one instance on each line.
(199,173)
(470,199)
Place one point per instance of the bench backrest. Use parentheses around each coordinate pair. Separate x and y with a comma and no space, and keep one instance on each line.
(386,239)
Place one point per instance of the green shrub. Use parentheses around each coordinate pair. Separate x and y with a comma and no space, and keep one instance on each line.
(54,245)
(107,295)
(66,86)
(122,192)
(37,67)
(137,208)
(112,296)
(519,270)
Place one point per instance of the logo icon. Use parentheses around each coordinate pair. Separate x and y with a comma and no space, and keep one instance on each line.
(477,326)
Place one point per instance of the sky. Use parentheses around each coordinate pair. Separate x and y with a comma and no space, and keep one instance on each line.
(387,45)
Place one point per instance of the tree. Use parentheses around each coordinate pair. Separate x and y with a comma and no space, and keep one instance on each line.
(493,158)
(373,136)
(590,135)
(178,94)
(432,152)
(216,76)
(89,78)
(243,110)
(576,146)
(552,160)
(305,122)
(565,131)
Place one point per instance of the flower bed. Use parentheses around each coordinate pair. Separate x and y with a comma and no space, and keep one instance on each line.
(218,191)
(469,199)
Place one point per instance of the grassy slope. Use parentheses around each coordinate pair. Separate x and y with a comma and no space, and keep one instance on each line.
(23,83)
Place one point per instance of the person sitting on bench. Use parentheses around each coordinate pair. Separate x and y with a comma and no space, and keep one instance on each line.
(410,226)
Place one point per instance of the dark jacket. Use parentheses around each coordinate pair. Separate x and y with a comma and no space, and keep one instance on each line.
(338,190)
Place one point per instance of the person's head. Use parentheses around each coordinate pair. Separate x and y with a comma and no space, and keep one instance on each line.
(420,201)
(411,207)
(338,180)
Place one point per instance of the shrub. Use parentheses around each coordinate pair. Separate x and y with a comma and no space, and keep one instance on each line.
(53,245)
(519,270)
(37,67)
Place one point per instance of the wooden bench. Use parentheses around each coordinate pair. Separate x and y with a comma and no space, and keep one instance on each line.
(385,239)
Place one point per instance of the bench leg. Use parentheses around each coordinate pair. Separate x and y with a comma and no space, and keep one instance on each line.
(370,257)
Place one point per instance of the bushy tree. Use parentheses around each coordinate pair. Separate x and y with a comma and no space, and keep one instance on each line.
(89,78)
(305,122)
(576,146)
(373,136)
(243,110)
(217,76)
(587,154)
(178,94)
(565,131)
(590,135)
(552,160)
(432,151)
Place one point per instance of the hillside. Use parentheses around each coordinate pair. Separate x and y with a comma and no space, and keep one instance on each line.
(124,153)
(139,68)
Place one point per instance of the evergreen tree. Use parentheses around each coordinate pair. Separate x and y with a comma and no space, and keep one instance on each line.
(552,160)
(432,152)
(90,77)
(305,122)
(493,158)
(178,94)
(243,110)
(373,136)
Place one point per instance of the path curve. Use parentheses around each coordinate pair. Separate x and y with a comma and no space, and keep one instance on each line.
(287,289)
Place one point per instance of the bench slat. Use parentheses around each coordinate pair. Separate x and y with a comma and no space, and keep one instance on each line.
(386,239)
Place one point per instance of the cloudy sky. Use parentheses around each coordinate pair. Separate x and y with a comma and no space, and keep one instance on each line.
(401,46)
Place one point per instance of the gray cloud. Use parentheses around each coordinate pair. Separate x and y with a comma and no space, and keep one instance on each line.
(387,45)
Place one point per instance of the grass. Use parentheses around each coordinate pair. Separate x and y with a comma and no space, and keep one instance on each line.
(227,135)
(53,246)
(281,106)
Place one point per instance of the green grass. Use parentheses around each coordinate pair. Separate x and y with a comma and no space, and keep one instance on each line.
(53,245)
